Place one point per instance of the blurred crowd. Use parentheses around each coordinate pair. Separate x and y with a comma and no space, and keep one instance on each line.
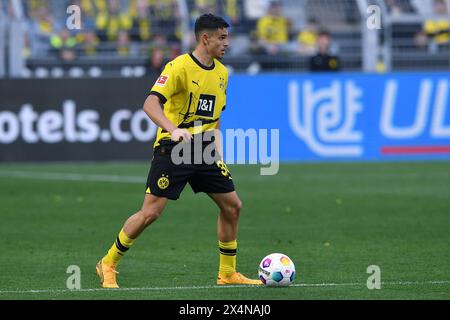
(434,35)
(154,28)
(114,27)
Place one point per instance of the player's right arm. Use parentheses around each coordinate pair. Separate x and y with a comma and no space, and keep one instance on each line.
(168,84)
(153,107)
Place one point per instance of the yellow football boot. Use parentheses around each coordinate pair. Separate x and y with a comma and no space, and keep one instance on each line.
(236,278)
(107,275)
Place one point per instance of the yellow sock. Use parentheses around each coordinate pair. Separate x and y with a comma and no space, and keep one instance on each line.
(118,249)
(227,257)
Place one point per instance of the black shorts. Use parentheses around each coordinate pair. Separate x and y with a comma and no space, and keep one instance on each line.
(167,179)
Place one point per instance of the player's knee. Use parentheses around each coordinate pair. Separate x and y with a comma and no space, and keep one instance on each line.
(150,215)
(238,206)
(233,210)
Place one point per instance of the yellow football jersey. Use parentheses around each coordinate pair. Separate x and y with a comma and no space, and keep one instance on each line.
(439,29)
(273,29)
(191,92)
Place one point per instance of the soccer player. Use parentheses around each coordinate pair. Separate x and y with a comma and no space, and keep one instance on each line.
(186,101)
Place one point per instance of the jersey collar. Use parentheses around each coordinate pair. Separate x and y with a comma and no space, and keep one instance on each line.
(202,65)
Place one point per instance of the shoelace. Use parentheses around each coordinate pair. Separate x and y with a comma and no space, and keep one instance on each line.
(239,275)
(113,270)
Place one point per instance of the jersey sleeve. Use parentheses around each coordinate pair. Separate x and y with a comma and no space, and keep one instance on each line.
(226,88)
(169,83)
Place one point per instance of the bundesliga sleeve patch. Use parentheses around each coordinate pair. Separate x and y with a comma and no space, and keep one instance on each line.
(162,80)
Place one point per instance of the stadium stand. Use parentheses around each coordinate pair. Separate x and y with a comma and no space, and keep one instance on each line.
(128,37)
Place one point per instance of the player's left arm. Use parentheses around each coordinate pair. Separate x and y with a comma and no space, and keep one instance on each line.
(217,132)
(218,140)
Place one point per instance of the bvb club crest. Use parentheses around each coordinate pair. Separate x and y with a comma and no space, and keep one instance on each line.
(163,182)
(222,83)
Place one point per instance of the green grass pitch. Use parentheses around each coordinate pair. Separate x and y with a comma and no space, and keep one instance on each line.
(333,220)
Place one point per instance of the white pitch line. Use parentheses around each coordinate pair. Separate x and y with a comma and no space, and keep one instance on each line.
(319,285)
(60,176)
(71,176)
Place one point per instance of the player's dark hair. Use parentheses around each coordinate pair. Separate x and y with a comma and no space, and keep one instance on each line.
(209,22)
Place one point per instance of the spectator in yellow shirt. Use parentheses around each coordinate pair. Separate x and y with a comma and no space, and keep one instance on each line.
(112,19)
(307,38)
(273,29)
(64,45)
(438,30)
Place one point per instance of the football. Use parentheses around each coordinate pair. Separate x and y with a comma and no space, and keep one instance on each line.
(276,270)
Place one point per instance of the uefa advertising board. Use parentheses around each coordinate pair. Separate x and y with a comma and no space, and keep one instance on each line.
(296,117)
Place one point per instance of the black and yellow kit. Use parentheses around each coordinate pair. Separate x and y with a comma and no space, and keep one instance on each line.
(191,92)
(324,62)
(194,97)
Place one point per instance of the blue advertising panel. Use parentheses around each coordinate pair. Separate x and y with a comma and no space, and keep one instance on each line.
(345,116)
